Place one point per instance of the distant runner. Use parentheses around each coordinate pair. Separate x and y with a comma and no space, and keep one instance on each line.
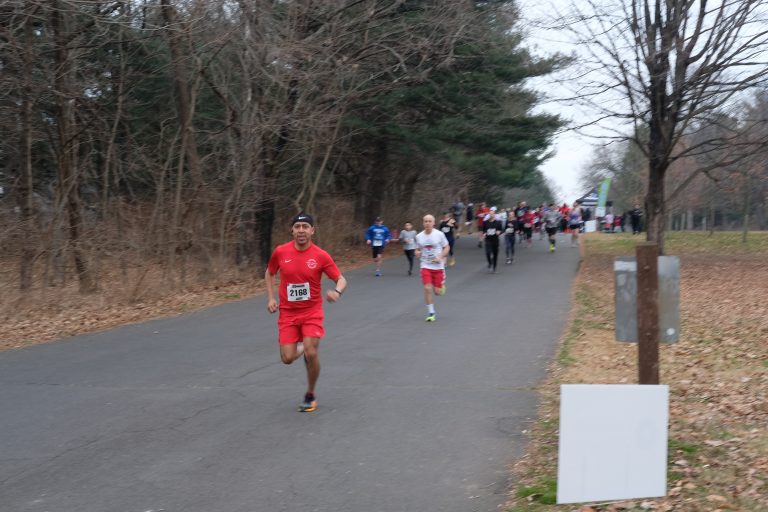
(377,236)
(448,226)
(564,211)
(301,265)
(574,223)
(492,230)
(635,214)
(551,224)
(529,219)
(432,249)
(509,237)
(520,210)
(457,209)
(482,211)
(608,223)
(408,239)
(470,216)
(538,223)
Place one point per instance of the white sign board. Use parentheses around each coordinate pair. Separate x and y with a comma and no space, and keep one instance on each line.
(613,442)
(590,226)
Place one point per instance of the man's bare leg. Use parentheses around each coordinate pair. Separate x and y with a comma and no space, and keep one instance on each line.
(429,301)
(291,352)
(312,360)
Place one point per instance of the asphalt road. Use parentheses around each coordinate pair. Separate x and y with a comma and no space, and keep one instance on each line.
(196,412)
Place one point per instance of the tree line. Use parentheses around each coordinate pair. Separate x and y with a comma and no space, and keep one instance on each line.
(724,186)
(182,132)
(665,79)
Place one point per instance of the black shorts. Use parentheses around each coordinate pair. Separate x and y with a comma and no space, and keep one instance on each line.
(552,231)
(376,250)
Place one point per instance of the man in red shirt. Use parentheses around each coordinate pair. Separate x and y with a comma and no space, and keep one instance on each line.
(529,219)
(482,211)
(564,211)
(300,324)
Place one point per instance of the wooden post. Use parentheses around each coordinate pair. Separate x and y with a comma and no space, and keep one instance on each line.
(647,254)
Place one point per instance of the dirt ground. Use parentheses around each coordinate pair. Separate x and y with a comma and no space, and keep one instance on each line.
(717,373)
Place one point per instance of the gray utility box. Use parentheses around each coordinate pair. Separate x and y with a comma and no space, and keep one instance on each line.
(625,281)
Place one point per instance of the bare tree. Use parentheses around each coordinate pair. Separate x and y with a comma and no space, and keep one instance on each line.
(193,207)
(67,140)
(294,72)
(19,58)
(172,135)
(667,66)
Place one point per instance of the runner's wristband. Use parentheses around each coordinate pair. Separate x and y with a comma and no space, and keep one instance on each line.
(337,291)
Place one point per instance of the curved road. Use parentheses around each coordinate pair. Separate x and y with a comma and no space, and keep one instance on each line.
(196,413)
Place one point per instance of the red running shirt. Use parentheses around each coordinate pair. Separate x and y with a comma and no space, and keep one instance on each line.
(300,275)
(529,217)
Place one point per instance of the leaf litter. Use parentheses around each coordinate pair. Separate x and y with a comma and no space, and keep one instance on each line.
(717,374)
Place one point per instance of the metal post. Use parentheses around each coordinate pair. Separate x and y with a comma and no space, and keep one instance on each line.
(648,312)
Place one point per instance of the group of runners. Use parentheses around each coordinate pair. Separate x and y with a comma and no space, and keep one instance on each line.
(433,247)
(301,265)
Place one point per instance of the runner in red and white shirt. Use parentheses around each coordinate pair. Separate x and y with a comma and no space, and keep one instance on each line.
(301,265)
(432,249)
(480,214)
(564,211)
(529,219)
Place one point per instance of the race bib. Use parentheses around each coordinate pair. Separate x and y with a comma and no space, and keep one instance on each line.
(527,225)
(509,231)
(446,229)
(378,243)
(491,232)
(298,292)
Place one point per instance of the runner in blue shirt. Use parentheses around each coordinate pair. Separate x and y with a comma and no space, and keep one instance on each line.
(377,236)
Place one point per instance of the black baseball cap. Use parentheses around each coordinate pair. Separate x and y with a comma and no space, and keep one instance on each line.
(303,217)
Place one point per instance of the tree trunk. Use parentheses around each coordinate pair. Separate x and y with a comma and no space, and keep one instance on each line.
(370,188)
(196,206)
(110,151)
(69,179)
(265,219)
(654,208)
(316,182)
(657,167)
(25,188)
(760,217)
(409,186)
(747,206)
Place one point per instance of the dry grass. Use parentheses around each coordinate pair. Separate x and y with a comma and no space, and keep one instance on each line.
(717,373)
(48,314)
(144,289)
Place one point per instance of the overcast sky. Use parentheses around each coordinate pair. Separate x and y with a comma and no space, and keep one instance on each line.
(572,151)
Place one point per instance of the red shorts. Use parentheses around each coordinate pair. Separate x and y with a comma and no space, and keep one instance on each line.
(293,327)
(434,277)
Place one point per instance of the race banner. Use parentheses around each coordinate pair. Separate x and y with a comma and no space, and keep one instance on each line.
(602,195)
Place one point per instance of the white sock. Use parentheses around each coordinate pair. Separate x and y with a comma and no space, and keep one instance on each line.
(431,309)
